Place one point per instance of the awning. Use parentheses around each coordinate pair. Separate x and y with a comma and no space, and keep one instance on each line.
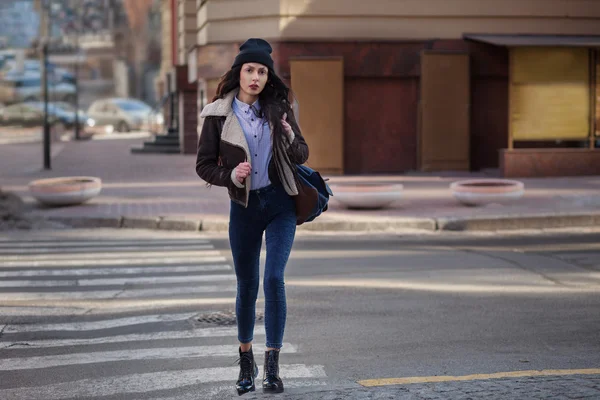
(536,40)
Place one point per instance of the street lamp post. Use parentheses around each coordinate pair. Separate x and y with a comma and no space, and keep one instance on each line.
(79,30)
(173,129)
(44,63)
(46,122)
(77,134)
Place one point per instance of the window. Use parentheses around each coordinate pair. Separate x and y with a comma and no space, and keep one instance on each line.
(106,108)
(131,105)
(95,107)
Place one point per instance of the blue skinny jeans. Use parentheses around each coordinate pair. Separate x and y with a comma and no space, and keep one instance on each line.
(273,211)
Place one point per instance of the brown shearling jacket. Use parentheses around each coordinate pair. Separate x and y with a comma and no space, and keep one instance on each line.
(222,146)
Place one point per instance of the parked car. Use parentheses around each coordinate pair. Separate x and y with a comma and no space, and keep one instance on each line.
(124,114)
(69,108)
(31,114)
(55,72)
(89,124)
(24,87)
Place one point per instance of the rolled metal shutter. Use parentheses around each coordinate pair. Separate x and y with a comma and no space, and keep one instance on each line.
(549,93)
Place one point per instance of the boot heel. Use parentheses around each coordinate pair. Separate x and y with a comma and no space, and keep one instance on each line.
(271,389)
(241,391)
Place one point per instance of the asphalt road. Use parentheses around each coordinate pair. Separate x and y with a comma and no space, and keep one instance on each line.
(127,314)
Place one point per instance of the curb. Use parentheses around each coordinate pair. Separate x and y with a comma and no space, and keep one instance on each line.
(140,222)
(475,223)
(520,222)
(170,224)
(426,224)
(89,222)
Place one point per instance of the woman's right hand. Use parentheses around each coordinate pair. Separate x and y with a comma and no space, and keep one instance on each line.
(242,171)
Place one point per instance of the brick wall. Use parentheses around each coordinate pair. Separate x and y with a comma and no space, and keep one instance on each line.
(523,163)
(188,111)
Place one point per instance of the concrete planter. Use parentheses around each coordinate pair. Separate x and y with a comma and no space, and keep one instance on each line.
(477,192)
(367,196)
(65,191)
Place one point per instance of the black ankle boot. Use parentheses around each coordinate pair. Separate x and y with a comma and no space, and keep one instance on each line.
(271,381)
(248,371)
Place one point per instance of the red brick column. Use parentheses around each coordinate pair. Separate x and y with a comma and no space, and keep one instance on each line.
(188,111)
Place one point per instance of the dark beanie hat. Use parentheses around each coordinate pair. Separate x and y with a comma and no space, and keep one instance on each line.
(254,50)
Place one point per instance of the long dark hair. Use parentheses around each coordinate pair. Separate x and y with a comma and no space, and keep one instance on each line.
(274,103)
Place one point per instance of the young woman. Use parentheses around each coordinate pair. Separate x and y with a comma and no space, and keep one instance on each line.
(251,144)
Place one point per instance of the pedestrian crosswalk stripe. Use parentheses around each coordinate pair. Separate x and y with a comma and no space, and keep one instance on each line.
(119,293)
(14,250)
(153,280)
(135,337)
(28,238)
(74,262)
(50,251)
(205,251)
(10,284)
(148,382)
(101,324)
(29,244)
(144,280)
(43,310)
(160,353)
(125,305)
(38,272)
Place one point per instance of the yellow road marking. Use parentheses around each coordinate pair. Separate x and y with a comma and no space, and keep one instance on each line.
(497,375)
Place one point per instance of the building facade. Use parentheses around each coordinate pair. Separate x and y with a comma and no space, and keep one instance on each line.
(178,32)
(18,23)
(419,85)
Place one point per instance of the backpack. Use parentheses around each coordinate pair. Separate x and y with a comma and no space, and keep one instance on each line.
(313,195)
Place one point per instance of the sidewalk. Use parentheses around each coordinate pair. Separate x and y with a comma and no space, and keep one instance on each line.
(150,191)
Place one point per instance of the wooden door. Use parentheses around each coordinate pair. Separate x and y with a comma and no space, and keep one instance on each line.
(319,88)
(444,112)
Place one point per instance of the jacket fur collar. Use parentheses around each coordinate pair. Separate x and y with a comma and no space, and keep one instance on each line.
(232,130)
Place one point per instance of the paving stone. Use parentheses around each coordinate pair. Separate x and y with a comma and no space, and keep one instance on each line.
(535,388)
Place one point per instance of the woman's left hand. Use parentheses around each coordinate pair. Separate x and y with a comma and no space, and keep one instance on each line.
(287,127)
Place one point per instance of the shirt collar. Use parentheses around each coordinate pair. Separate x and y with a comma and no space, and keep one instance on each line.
(246,107)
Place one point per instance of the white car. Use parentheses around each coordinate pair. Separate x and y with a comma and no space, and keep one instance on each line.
(124,114)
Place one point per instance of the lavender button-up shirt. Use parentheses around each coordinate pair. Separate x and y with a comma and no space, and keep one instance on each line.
(258,136)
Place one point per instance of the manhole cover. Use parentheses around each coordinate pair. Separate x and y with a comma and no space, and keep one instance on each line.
(223,318)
